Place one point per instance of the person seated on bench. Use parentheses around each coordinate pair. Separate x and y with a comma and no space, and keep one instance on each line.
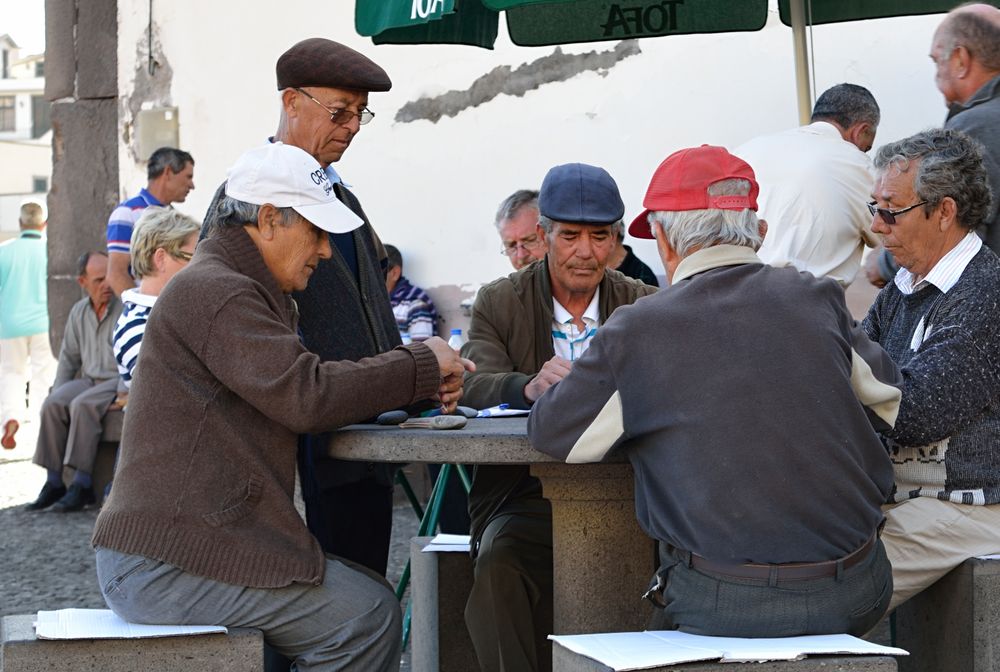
(85,386)
(939,318)
(201,526)
(745,397)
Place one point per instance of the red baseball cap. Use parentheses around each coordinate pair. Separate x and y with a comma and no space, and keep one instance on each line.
(681,183)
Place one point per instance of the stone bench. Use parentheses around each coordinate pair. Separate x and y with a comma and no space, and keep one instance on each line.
(20,651)
(564,660)
(954,625)
(439,588)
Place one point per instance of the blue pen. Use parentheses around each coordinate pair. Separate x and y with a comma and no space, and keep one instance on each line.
(486,412)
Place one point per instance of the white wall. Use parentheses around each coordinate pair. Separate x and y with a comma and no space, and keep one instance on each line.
(432,189)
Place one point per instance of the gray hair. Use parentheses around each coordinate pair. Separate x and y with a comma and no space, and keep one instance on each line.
(231,213)
(84,259)
(511,205)
(946,163)
(166,157)
(159,227)
(617,228)
(32,215)
(689,230)
(847,105)
(974,32)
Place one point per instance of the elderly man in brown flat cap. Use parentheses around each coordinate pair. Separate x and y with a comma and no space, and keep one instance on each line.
(345,311)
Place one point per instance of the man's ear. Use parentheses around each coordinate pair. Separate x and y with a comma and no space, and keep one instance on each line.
(289,101)
(949,213)
(762,229)
(267,221)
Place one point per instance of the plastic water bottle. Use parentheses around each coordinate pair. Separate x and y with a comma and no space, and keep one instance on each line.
(405,336)
(455,340)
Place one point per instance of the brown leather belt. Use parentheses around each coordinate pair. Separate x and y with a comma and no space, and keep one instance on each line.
(786,572)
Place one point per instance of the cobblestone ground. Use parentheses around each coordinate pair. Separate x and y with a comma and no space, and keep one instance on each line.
(46,561)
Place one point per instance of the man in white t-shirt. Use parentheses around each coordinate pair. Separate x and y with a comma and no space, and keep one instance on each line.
(814,183)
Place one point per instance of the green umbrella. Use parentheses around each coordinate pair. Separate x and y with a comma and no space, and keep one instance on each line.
(551,22)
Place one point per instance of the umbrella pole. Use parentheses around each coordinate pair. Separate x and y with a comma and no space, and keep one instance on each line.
(803,91)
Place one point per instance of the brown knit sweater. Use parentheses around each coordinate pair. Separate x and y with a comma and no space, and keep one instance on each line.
(207,466)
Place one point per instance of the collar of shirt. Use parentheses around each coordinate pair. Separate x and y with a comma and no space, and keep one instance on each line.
(985,93)
(138,298)
(31,234)
(947,271)
(149,198)
(568,341)
(330,172)
(716,256)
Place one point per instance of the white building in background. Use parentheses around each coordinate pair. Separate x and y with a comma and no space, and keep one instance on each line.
(431,184)
(25,133)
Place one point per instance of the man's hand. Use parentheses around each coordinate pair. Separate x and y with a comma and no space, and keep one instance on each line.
(872,271)
(453,368)
(552,372)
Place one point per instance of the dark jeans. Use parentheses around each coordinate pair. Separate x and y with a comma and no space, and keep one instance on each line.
(708,604)
(353,521)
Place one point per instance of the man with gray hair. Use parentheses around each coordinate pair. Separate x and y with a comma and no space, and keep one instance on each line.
(517,223)
(170,173)
(527,330)
(745,398)
(814,182)
(939,319)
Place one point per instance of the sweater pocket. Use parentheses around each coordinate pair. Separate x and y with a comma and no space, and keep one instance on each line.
(238,506)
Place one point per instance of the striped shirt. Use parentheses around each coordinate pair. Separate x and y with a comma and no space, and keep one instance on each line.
(414,310)
(123,219)
(568,341)
(129,330)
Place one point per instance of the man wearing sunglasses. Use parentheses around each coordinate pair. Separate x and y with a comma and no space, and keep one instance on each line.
(345,311)
(939,319)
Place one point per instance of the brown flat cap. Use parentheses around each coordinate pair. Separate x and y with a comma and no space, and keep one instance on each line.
(321,62)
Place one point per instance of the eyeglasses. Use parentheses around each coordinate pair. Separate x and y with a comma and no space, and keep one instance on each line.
(181,255)
(530,243)
(889,216)
(341,115)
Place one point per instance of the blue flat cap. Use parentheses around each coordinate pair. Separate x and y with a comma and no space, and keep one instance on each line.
(580,194)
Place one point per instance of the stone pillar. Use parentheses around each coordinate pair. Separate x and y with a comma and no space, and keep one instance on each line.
(81,81)
(598,542)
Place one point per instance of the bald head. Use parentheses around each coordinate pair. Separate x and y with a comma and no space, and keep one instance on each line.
(966,50)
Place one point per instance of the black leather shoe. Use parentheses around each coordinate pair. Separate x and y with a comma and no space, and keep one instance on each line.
(49,495)
(75,499)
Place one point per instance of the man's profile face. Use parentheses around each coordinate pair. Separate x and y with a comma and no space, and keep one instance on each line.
(309,125)
(93,280)
(521,237)
(294,252)
(915,240)
(945,76)
(178,185)
(578,254)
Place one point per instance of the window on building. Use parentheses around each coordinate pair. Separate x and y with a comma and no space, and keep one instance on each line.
(39,185)
(39,68)
(41,120)
(7,121)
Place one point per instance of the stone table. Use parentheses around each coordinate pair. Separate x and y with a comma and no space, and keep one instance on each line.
(602,559)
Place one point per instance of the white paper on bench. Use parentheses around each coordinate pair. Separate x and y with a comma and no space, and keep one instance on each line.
(103,624)
(448,543)
(623,651)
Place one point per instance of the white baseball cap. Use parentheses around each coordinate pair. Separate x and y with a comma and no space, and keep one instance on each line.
(288,177)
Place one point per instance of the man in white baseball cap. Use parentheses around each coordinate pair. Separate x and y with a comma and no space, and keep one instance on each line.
(201,526)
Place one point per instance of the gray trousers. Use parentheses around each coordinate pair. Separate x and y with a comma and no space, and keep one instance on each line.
(70,425)
(349,622)
(509,611)
(715,605)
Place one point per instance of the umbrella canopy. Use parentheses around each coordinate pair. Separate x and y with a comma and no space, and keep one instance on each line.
(549,22)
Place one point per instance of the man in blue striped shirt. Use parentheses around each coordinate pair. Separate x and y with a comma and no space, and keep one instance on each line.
(171,176)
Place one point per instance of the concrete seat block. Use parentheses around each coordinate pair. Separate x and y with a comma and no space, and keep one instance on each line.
(564,660)
(242,650)
(439,588)
(954,625)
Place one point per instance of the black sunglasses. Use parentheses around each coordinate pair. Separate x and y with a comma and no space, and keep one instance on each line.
(889,216)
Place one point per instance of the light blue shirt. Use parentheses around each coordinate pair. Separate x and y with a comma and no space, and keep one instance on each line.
(24,307)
